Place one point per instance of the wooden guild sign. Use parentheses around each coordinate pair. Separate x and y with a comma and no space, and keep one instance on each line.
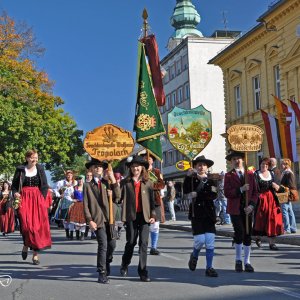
(245,137)
(108,142)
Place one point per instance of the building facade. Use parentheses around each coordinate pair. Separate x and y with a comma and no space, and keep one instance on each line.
(263,62)
(190,81)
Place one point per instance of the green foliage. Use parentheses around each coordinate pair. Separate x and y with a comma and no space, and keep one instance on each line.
(194,130)
(30,115)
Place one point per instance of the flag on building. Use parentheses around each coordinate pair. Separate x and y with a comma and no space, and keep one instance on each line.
(147,122)
(287,130)
(296,108)
(151,49)
(272,133)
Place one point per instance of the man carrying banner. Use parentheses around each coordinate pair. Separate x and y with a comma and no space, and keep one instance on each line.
(235,190)
(96,210)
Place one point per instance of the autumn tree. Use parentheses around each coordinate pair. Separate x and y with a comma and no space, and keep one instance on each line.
(30,115)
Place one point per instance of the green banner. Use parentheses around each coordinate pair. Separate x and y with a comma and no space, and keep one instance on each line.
(147,123)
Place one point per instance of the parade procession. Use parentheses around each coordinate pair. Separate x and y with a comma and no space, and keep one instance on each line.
(169,171)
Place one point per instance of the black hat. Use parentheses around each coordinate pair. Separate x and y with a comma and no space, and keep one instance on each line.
(96,162)
(137,159)
(145,155)
(233,153)
(202,159)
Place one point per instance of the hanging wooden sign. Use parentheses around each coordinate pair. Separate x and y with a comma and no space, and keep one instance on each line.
(108,142)
(245,137)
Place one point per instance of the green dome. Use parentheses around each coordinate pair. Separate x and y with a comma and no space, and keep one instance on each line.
(185,19)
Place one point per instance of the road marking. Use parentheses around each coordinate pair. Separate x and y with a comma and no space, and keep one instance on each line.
(281,290)
(171,256)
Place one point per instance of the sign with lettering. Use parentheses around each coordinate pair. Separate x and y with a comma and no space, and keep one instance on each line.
(189,131)
(183,165)
(108,142)
(245,137)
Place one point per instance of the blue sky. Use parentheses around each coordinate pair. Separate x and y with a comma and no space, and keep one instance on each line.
(91,47)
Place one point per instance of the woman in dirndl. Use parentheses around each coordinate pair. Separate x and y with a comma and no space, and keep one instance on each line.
(7,215)
(30,186)
(268,215)
(76,211)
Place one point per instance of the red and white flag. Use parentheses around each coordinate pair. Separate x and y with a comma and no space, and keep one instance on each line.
(272,133)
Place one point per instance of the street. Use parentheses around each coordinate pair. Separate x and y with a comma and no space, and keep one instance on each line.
(67,271)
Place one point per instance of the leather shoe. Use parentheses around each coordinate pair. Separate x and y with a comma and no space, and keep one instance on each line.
(192,262)
(258,243)
(145,278)
(24,255)
(273,247)
(102,278)
(124,271)
(249,268)
(238,266)
(154,251)
(211,272)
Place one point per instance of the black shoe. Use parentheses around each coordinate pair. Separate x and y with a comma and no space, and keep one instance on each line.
(154,251)
(145,278)
(249,268)
(71,235)
(211,272)
(24,255)
(124,271)
(107,269)
(273,247)
(258,243)
(192,262)
(67,233)
(77,234)
(102,278)
(238,266)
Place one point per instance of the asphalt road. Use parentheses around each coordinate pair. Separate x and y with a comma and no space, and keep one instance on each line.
(67,271)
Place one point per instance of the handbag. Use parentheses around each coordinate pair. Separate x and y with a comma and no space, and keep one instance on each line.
(284,196)
(294,195)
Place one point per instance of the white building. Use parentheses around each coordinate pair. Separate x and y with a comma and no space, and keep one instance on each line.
(190,81)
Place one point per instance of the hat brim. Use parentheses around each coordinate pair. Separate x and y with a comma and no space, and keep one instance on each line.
(208,162)
(89,164)
(234,154)
(142,163)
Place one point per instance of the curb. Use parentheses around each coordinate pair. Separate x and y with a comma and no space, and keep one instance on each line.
(291,239)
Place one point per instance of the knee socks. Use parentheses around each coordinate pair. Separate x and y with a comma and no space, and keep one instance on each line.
(209,258)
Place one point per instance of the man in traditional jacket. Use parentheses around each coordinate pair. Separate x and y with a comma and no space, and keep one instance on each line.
(96,209)
(235,190)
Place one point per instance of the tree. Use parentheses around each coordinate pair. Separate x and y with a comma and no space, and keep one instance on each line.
(30,115)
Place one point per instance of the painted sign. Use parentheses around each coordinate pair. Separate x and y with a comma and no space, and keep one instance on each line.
(108,142)
(183,165)
(189,131)
(245,137)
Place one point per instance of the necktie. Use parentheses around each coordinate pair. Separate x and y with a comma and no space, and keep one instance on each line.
(241,175)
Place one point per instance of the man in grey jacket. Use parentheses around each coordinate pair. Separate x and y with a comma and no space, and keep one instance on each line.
(96,209)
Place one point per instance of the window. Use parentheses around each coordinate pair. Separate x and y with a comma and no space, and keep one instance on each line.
(166,76)
(179,95)
(172,72)
(164,158)
(256,92)
(186,91)
(238,102)
(185,63)
(170,158)
(173,99)
(178,66)
(168,102)
(277,80)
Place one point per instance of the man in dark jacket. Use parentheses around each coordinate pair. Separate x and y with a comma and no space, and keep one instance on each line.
(96,210)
